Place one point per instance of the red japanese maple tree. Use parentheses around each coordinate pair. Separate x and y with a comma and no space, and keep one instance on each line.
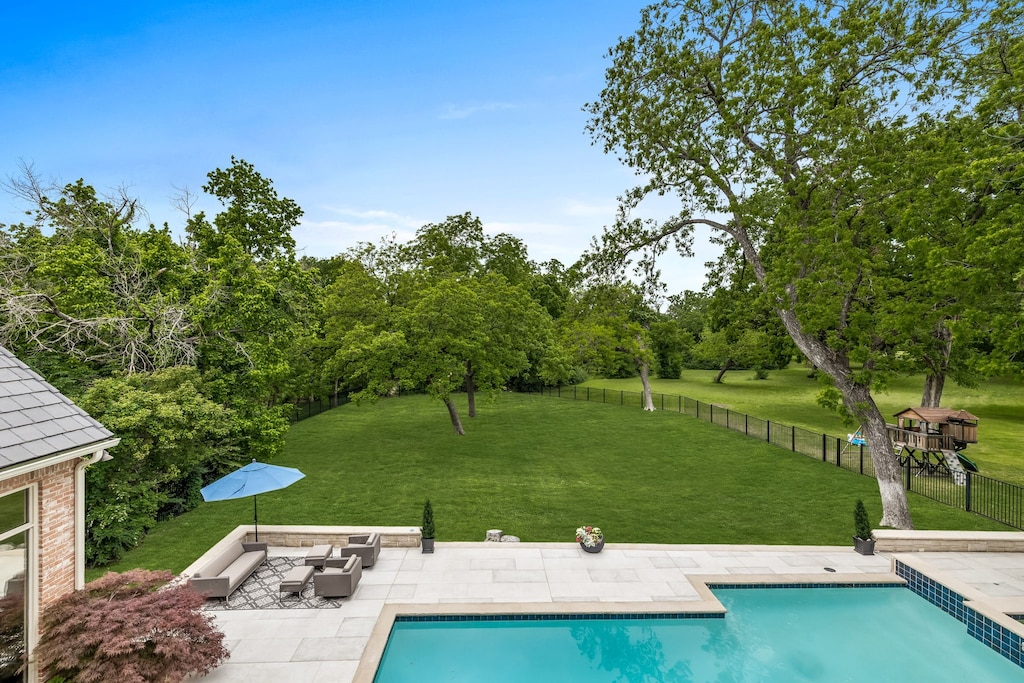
(131,627)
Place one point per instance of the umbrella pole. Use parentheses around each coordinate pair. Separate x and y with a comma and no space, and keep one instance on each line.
(256,519)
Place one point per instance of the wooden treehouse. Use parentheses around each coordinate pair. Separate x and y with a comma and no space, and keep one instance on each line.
(932,439)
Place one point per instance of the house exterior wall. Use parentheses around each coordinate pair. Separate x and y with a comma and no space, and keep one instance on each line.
(55,526)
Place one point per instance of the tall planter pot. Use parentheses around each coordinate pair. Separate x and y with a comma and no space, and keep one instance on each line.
(864,546)
(427,530)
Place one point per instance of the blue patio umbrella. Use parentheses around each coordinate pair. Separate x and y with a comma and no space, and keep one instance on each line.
(251,480)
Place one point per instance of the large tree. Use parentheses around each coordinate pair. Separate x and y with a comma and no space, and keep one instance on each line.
(254,302)
(84,291)
(779,125)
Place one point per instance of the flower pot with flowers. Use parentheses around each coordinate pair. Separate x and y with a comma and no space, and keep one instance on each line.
(590,538)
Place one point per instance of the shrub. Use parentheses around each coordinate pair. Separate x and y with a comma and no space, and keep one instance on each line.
(428,520)
(861,525)
(129,627)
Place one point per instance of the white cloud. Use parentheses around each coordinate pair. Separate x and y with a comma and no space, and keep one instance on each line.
(380,216)
(464,111)
(326,238)
(604,208)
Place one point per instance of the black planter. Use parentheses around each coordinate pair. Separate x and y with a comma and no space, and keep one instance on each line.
(428,545)
(864,546)
(596,548)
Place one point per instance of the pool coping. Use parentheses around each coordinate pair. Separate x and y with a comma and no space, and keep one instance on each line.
(706,603)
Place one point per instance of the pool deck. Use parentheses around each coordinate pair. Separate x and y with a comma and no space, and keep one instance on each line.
(327,645)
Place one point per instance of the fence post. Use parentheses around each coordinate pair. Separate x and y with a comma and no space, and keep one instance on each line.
(712,408)
(824,447)
(967,492)
(588,394)
(698,409)
(680,404)
(861,457)
(908,474)
(792,440)
(768,424)
(663,402)
(746,424)
(604,396)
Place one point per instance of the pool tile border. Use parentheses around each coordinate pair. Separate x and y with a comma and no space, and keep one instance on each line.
(565,616)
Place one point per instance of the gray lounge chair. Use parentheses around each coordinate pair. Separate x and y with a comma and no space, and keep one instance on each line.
(335,582)
(366,546)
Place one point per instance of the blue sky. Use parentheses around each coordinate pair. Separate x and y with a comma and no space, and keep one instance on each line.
(376,117)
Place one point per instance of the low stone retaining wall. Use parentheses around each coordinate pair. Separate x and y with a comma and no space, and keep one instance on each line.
(896,541)
(306,536)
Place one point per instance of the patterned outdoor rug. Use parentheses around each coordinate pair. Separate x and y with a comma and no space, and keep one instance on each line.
(262,590)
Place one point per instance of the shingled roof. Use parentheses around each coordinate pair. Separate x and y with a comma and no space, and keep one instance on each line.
(36,420)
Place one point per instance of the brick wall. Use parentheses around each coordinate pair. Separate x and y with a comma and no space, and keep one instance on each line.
(55,517)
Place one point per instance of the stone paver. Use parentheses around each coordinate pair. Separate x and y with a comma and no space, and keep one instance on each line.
(326,645)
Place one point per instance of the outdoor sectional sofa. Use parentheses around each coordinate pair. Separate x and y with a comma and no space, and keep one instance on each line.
(224,573)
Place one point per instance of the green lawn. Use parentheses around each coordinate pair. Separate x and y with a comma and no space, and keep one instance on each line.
(788,396)
(538,467)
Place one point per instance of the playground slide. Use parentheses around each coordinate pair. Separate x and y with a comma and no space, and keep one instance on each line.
(968,464)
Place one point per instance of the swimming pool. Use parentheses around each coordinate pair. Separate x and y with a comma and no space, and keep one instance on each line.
(769,634)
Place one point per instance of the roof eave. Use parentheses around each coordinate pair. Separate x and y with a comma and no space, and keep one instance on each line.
(56,458)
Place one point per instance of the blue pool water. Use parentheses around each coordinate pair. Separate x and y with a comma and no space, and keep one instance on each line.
(789,635)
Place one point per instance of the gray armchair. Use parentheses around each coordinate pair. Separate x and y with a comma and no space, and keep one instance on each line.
(339,582)
(366,546)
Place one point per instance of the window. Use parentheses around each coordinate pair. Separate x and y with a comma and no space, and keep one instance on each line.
(15,527)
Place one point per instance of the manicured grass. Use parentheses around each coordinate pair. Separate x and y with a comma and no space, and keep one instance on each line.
(538,467)
(788,396)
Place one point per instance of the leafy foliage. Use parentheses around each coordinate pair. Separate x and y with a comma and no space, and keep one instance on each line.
(171,435)
(129,627)
(427,530)
(861,525)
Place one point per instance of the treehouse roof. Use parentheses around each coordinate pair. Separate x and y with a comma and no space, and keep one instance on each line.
(937,415)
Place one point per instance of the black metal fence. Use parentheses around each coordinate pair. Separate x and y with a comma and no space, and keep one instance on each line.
(998,500)
(315,406)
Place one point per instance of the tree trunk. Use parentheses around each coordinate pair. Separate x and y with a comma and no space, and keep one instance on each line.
(470,388)
(721,373)
(932,396)
(935,380)
(454,414)
(645,379)
(857,399)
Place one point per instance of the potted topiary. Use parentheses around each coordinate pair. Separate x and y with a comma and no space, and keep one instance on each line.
(427,530)
(863,540)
